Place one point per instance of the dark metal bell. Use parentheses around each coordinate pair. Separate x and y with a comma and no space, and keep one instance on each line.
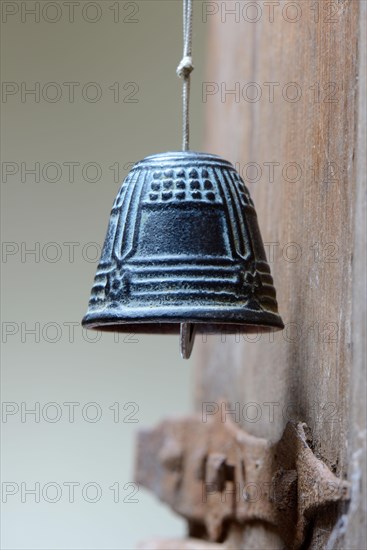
(183,248)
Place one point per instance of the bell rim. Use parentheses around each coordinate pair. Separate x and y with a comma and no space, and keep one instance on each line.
(234,318)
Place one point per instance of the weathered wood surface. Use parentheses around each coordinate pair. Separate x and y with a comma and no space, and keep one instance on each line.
(313,371)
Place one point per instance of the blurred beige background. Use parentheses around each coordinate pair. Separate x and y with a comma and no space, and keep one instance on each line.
(86,395)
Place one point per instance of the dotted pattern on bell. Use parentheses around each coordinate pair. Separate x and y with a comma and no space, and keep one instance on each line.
(182,185)
(242,190)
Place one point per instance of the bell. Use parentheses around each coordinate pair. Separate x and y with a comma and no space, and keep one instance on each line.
(183,252)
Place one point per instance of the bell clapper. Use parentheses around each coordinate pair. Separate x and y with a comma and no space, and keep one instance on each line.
(187,330)
(187,339)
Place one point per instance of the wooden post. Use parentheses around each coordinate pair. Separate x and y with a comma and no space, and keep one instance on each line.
(285,99)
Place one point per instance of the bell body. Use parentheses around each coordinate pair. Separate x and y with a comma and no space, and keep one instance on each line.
(183,246)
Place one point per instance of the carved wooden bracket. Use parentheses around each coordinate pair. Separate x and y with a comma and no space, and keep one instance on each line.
(214,473)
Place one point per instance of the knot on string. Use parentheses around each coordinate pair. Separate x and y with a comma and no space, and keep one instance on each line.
(185,67)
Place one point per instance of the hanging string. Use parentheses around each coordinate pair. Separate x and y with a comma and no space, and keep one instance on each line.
(184,70)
